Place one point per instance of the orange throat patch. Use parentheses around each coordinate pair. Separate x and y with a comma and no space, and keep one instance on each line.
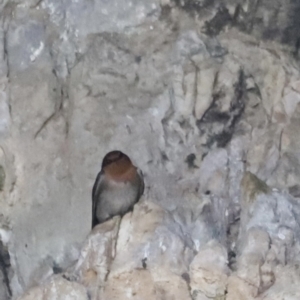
(120,171)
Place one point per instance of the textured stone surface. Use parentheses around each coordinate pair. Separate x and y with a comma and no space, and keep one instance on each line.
(203,96)
(57,288)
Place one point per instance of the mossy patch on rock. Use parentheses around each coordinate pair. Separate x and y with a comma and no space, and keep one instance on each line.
(252,186)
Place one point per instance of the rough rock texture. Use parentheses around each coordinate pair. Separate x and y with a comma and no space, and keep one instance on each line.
(204,96)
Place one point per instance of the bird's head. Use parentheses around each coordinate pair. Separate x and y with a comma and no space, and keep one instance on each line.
(118,166)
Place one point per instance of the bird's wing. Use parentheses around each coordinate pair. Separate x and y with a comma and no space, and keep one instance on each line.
(95,196)
(142,184)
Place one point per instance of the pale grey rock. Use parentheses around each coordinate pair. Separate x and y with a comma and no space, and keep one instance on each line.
(197,103)
(96,257)
(268,241)
(4,113)
(286,174)
(25,41)
(264,155)
(57,288)
(209,272)
(151,253)
(83,18)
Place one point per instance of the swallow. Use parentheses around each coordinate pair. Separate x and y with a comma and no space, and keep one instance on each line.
(118,186)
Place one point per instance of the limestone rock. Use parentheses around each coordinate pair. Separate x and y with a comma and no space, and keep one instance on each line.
(57,288)
(203,96)
(209,272)
(96,256)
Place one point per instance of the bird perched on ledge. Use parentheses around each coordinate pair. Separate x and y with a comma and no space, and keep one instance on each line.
(118,186)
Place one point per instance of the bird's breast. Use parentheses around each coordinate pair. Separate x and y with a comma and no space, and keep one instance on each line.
(120,190)
(116,198)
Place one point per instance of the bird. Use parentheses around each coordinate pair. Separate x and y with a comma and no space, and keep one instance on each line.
(118,186)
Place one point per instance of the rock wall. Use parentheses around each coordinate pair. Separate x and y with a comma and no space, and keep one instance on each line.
(203,96)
